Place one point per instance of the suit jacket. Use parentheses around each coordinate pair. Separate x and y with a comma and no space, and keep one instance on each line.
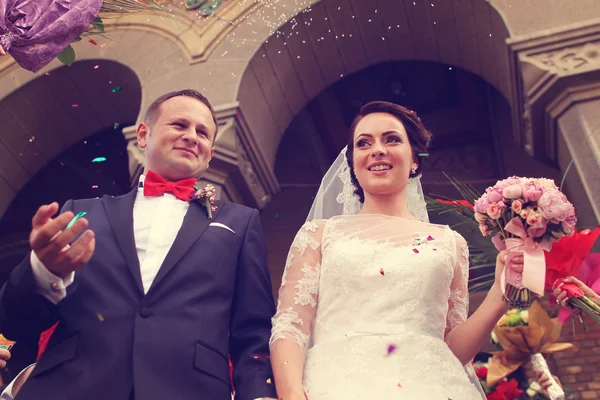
(211,298)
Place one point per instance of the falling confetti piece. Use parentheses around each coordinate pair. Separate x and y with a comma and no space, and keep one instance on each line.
(100,317)
(400,385)
(96,66)
(269,381)
(415,251)
(47,74)
(116,89)
(434,249)
(75,218)
(381,272)
(74,105)
(116,125)
(276,216)
(430,238)
(423,154)
(95,187)
(391,348)
(286,363)
(99,159)
(31,139)
(92,41)
(258,356)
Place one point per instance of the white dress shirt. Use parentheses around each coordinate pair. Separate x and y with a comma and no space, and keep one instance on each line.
(156,221)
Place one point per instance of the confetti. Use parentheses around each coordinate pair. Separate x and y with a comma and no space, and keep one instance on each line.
(95,187)
(74,105)
(96,66)
(430,238)
(391,348)
(258,356)
(381,272)
(276,216)
(415,251)
(100,317)
(75,218)
(116,89)
(423,154)
(116,125)
(400,385)
(92,41)
(99,159)
(31,139)
(47,74)
(269,381)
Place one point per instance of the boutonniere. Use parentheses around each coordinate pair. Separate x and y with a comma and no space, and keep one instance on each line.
(206,196)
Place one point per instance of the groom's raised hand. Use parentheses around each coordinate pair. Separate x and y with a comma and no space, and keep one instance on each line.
(51,240)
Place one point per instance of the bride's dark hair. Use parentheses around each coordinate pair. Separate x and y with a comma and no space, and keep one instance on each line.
(418,136)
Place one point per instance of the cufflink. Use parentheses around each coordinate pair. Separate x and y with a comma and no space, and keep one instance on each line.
(55,286)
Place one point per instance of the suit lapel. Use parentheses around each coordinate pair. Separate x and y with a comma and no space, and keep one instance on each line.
(120,215)
(194,224)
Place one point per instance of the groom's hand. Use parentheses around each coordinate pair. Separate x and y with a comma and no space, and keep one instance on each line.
(50,240)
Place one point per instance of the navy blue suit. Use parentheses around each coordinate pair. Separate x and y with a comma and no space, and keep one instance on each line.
(211,298)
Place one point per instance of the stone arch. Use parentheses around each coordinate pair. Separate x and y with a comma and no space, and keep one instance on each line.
(52,112)
(338,37)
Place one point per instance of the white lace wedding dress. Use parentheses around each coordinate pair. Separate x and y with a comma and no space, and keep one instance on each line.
(369,299)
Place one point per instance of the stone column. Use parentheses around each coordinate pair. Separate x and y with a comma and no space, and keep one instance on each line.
(579,144)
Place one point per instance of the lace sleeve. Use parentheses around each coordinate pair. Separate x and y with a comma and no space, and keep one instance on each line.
(458,302)
(299,287)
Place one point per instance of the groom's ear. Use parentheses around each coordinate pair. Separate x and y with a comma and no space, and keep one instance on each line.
(142,133)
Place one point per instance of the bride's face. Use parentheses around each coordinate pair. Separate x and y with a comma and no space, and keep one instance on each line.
(383,157)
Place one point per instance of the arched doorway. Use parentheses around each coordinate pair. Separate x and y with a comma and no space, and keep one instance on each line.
(61,138)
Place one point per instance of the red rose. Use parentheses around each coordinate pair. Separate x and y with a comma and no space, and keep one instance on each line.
(481,373)
(572,289)
(510,389)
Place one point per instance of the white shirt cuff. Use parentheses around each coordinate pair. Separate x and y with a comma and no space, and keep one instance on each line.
(52,287)
(7,394)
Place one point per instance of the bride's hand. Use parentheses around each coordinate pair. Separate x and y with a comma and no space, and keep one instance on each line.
(516,265)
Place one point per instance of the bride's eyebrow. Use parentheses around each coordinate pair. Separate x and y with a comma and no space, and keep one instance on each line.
(383,134)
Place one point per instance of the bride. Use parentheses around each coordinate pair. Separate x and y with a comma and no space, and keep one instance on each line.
(373,302)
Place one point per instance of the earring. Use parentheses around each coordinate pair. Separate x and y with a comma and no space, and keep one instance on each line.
(413,170)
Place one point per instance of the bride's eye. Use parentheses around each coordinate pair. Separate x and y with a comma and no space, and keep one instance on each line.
(362,143)
(394,139)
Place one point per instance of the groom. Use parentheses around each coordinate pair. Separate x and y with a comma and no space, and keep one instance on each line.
(151,296)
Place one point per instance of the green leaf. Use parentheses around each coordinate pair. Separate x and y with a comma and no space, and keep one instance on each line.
(98,24)
(67,57)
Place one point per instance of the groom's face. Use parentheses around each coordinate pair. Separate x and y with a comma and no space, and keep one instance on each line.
(179,142)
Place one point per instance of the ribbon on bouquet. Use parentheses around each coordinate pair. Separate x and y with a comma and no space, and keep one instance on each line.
(534,264)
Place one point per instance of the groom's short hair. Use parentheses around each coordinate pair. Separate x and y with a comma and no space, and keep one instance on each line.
(152,112)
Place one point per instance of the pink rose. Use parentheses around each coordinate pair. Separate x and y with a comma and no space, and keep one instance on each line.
(512,192)
(553,206)
(532,194)
(494,196)
(533,218)
(517,206)
(479,217)
(524,213)
(481,204)
(493,211)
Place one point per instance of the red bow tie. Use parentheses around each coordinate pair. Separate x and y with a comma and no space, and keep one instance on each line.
(155,185)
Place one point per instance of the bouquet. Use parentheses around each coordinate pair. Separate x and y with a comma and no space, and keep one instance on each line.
(565,260)
(505,389)
(524,335)
(524,216)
